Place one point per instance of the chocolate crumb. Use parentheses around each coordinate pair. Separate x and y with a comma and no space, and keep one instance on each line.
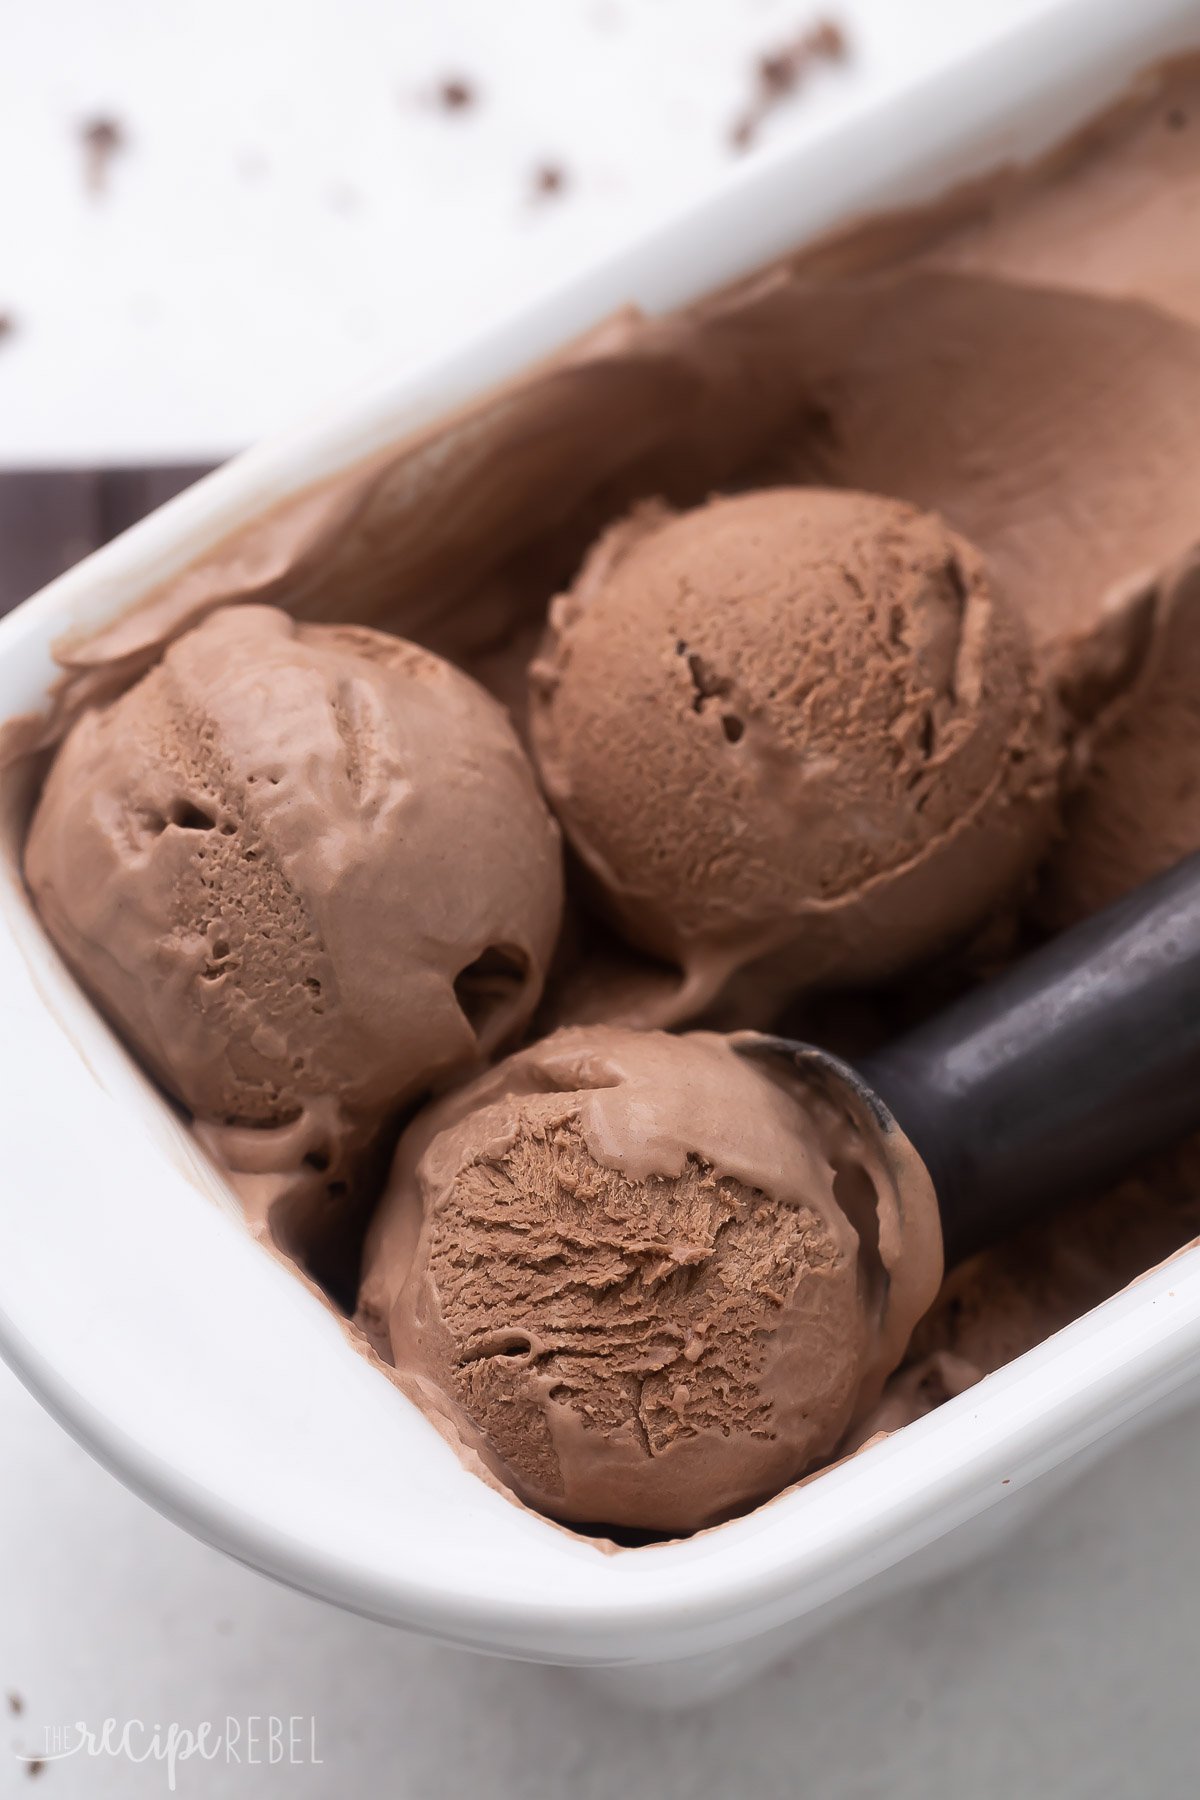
(16,1705)
(456,94)
(549,178)
(34,1766)
(7,326)
(102,139)
(778,74)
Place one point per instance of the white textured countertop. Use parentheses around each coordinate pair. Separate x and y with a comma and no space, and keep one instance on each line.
(1063,1669)
(291,212)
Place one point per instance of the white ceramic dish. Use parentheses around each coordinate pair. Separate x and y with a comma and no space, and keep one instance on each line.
(201,1372)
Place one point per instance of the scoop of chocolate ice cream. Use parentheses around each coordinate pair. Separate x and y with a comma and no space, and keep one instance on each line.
(307,872)
(793,729)
(646,1279)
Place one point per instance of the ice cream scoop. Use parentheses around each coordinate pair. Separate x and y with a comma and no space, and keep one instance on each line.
(1056,1077)
(306,871)
(795,731)
(649,1280)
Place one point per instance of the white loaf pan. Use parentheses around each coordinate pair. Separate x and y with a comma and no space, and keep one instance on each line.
(134,1304)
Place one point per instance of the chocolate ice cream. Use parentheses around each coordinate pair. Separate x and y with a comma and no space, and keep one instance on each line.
(795,729)
(1136,809)
(1021,362)
(307,872)
(648,1280)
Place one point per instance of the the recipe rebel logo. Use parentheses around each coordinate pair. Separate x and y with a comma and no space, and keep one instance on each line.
(257,1739)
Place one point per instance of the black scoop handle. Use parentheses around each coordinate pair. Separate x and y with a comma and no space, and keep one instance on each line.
(1063,1072)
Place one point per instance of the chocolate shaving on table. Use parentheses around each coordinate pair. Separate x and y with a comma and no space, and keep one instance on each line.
(456,94)
(779,73)
(549,178)
(102,138)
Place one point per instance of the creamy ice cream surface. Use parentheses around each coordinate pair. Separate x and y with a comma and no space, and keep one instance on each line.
(793,729)
(647,1279)
(307,872)
(1135,807)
